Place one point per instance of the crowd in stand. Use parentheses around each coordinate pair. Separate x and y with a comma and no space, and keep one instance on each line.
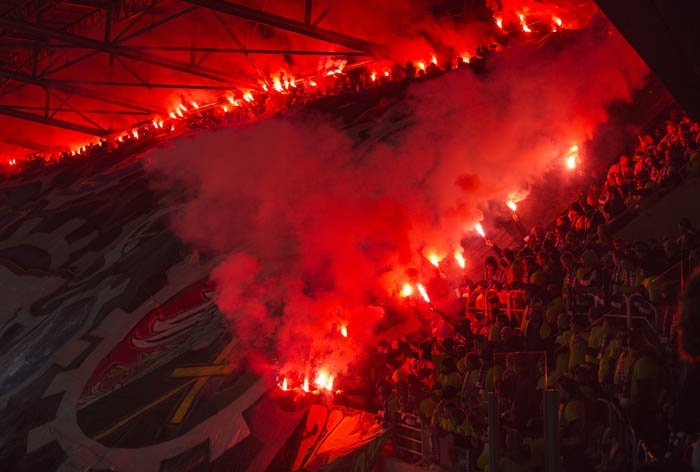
(573,310)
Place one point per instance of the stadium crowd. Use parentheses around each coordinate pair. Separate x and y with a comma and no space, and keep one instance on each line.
(574,310)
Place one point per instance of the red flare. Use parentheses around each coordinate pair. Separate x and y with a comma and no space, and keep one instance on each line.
(480,229)
(305,385)
(459,257)
(434,260)
(406,290)
(512,205)
(344,331)
(284,385)
(423,292)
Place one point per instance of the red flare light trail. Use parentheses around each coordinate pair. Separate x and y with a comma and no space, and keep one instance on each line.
(423,292)
(459,257)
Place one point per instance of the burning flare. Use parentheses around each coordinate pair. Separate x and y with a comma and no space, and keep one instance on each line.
(434,260)
(523,23)
(344,331)
(284,385)
(479,229)
(406,290)
(305,385)
(323,380)
(459,257)
(572,159)
(512,205)
(423,292)
(499,22)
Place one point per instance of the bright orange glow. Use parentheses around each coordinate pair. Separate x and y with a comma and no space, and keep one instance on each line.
(285,387)
(434,260)
(433,60)
(421,65)
(277,84)
(179,113)
(459,257)
(182,107)
(264,86)
(572,158)
(512,205)
(524,24)
(135,133)
(557,21)
(479,229)
(344,331)
(386,73)
(374,76)
(172,115)
(323,380)
(305,385)
(406,290)
(499,22)
(225,108)
(313,83)
(194,104)
(248,97)
(423,292)
(466,58)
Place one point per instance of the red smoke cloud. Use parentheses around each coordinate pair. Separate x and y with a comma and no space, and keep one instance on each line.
(320,230)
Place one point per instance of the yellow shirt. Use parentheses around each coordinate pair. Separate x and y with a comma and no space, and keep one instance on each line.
(610,352)
(595,341)
(577,350)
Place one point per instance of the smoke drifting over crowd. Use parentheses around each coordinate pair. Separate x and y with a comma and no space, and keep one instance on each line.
(319,229)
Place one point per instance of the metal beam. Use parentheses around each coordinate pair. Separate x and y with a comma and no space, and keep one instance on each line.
(25,143)
(217,50)
(111,48)
(9,111)
(68,87)
(281,22)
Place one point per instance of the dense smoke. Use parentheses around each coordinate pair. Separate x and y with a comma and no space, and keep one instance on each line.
(320,229)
